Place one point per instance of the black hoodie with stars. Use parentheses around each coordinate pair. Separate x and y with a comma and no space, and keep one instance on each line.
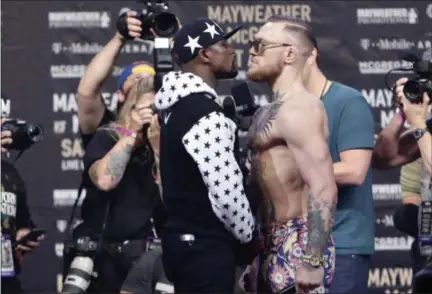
(201,180)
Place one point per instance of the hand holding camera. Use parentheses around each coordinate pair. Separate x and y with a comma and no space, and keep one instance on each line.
(415,113)
(140,116)
(6,137)
(153,133)
(153,21)
(18,135)
(131,28)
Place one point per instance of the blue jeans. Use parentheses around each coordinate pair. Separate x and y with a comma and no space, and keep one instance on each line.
(351,274)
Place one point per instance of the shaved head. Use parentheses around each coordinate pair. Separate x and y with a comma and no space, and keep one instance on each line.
(298,30)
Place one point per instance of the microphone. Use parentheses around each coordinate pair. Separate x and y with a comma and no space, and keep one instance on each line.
(242,122)
(243,98)
(229,107)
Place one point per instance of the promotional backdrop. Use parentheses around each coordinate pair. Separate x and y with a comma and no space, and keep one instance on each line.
(46,46)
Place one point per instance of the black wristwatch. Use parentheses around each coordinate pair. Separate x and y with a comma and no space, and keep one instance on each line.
(418,133)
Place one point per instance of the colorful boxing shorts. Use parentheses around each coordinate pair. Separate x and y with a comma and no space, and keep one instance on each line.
(286,244)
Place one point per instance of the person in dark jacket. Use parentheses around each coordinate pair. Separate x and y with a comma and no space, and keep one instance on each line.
(208,211)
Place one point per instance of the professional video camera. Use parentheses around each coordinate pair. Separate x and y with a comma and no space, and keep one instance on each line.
(23,134)
(154,16)
(415,88)
(79,254)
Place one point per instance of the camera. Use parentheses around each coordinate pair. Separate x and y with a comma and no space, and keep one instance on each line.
(154,16)
(79,254)
(415,88)
(157,17)
(23,134)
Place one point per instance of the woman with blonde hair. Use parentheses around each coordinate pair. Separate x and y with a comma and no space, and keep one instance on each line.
(121,189)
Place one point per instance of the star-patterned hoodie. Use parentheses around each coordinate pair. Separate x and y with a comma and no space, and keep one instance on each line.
(201,180)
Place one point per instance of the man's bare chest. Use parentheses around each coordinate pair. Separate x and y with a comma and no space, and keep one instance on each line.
(263,128)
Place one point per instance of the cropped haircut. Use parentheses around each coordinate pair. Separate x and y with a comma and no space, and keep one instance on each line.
(300,28)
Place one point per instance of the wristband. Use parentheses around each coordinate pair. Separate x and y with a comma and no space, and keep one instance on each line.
(126,132)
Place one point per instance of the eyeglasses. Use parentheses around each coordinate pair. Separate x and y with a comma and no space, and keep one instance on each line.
(259,46)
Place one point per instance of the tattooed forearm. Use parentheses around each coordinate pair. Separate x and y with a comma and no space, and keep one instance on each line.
(117,161)
(320,224)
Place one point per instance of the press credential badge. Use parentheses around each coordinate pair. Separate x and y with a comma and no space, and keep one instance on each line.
(7,262)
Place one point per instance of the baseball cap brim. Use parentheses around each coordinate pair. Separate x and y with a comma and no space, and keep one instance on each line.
(230,34)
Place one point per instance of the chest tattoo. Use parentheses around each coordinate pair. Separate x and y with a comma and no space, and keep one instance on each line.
(263,121)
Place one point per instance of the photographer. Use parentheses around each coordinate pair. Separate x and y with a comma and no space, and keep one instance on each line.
(122,196)
(147,275)
(92,111)
(392,150)
(15,220)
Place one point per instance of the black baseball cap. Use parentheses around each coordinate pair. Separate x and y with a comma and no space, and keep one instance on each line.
(198,34)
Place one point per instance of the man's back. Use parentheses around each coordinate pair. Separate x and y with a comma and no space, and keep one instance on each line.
(354,223)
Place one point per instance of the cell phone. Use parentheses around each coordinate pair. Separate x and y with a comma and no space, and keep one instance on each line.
(33,235)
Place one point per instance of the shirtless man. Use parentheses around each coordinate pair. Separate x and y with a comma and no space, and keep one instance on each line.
(292,165)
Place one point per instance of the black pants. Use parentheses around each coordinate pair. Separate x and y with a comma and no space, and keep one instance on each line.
(202,266)
(11,286)
(114,265)
(147,275)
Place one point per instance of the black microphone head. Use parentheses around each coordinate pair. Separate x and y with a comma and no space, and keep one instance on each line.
(229,106)
(243,98)
(409,56)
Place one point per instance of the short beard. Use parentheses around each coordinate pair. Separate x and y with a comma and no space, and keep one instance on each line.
(258,76)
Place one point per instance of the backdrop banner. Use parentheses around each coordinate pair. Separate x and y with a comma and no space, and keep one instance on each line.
(46,46)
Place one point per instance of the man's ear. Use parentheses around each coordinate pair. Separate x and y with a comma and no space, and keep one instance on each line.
(313,58)
(291,55)
(203,55)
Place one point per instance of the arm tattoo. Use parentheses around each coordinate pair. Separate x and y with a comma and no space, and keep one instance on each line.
(93,172)
(117,162)
(320,224)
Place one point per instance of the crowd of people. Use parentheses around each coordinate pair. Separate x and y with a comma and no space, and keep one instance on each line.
(165,167)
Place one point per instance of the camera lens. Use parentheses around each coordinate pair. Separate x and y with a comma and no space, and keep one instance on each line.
(165,24)
(35,133)
(413,91)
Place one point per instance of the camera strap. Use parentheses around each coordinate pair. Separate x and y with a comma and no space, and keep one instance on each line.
(71,217)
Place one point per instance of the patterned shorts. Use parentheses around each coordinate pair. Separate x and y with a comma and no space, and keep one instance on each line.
(288,242)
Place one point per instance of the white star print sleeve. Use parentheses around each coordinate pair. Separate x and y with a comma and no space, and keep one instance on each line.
(210,142)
